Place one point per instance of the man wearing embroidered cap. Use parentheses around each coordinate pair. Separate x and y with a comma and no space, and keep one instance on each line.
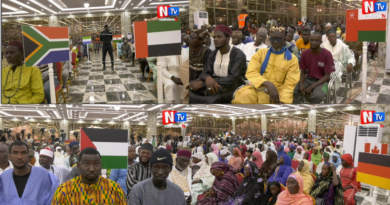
(223,73)
(20,84)
(46,158)
(181,175)
(272,72)
(157,189)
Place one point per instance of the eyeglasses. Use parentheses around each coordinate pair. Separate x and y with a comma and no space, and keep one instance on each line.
(278,40)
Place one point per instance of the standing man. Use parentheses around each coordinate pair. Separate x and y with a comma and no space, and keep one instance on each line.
(5,164)
(119,175)
(181,175)
(46,158)
(106,38)
(25,184)
(157,189)
(243,21)
(141,170)
(96,45)
(89,187)
(271,22)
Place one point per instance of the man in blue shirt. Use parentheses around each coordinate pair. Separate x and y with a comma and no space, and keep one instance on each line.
(119,175)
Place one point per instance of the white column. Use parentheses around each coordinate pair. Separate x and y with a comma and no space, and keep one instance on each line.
(234,125)
(151,125)
(126,126)
(1,124)
(364,72)
(263,122)
(53,22)
(303,9)
(312,121)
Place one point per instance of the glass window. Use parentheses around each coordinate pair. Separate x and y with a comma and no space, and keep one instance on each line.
(260,5)
(210,12)
(233,14)
(220,15)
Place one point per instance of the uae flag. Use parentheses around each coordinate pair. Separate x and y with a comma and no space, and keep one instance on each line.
(111,144)
(361,27)
(43,45)
(117,38)
(374,169)
(157,38)
(87,40)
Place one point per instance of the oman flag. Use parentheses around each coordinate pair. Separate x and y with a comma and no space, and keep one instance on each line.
(361,27)
(157,38)
(111,144)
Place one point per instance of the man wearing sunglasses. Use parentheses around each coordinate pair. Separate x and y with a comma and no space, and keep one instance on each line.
(316,65)
(272,72)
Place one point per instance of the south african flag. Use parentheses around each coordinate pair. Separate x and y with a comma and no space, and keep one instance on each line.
(43,45)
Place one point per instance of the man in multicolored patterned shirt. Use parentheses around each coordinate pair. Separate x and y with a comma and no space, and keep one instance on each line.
(90,187)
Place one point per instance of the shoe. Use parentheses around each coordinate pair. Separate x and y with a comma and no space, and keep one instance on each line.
(112,65)
(104,66)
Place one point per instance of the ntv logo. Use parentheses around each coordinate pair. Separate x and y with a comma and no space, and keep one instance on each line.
(370,7)
(166,11)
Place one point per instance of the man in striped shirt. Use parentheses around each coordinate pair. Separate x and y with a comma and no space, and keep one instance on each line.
(90,187)
(141,170)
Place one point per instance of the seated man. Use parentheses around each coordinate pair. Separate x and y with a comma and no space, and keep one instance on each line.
(223,73)
(304,43)
(245,39)
(318,64)
(169,66)
(20,84)
(126,51)
(250,49)
(273,74)
(340,52)
(237,39)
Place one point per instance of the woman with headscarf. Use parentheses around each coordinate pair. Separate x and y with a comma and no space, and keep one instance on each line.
(339,147)
(203,179)
(307,156)
(272,193)
(280,150)
(336,160)
(292,151)
(329,150)
(348,179)
(197,162)
(319,166)
(316,156)
(236,160)
(215,149)
(328,186)
(224,186)
(248,155)
(257,159)
(269,165)
(304,171)
(264,151)
(224,156)
(250,190)
(282,171)
(294,194)
(299,154)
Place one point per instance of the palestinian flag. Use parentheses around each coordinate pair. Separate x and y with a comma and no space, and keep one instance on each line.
(361,27)
(112,145)
(374,169)
(157,38)
(87,40)
(43,45)
(117,38)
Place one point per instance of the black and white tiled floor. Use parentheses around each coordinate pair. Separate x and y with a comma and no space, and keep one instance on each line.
(123,85)
(380,200)
(377,92)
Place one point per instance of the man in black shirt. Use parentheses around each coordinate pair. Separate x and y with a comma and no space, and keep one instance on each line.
(106,38)
(25,184)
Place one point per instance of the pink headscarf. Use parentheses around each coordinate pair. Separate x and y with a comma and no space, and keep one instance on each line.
(259,159)
(285,198)
(286,150)
(215,149)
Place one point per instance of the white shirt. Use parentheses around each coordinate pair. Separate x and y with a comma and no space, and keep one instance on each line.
(169,65)
(185,172)
(10,166)
(250,49)
(62,173)
(221,64)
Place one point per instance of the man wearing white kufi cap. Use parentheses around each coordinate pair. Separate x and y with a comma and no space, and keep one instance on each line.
(46,158)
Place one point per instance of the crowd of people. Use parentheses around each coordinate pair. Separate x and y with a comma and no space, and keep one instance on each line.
(274,63)
(211,169)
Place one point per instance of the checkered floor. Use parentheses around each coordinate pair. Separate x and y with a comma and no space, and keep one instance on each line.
(378,90)
(121,85)
(381,199)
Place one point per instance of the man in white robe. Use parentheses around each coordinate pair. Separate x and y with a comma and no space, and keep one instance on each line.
(46,158)
(25,184)
(181,174)
(169,66)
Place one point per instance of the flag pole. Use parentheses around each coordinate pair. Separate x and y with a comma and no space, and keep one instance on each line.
(89,61)
(52,87)
(364,72)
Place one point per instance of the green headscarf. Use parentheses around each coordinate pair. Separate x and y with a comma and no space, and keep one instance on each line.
(316,158)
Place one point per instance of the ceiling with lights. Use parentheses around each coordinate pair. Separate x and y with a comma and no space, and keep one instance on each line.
(138,112)
(27,8)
